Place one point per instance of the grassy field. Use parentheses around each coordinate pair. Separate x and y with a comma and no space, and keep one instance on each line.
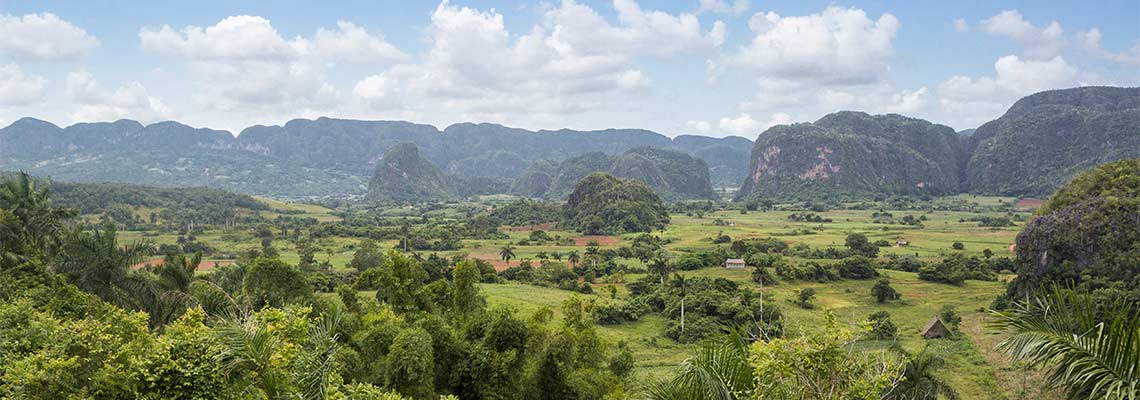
(971,367)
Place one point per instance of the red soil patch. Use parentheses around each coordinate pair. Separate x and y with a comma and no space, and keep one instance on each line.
(602,240)
(205,265)
(539,227)
(1029,203)
(498,263)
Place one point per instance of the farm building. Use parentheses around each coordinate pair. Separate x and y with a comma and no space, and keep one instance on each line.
(935,329)
(734,263)
(901,243)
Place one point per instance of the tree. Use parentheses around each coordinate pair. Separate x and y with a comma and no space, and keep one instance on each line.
(719,370)
(467,297)
(271,282)
(368,255)
(883,291)
(95,263)
(659,267)
(400,282)
(958,246)
(859,244)
(681,286)
(950,317)
(881,326)
(410,367)
(804,297)
(507,253)
(1091,349)
(820,365)
(573,258)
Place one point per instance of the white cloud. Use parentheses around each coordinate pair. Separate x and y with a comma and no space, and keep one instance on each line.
(17,88)
(43,36)
(970,101)
(744,125)
(573,62)
(244,65)
(722,7)
(906,102)
(1038,42)
(698,126)
(356,44)
(837,46)
(960,25)
(1090,42)
(577,29)
(131,100)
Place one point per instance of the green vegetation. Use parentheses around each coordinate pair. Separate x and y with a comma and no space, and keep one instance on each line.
(672,175)
(602,204)
(404,176)
(1047,138)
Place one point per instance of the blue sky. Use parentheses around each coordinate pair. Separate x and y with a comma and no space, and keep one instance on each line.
(711,67)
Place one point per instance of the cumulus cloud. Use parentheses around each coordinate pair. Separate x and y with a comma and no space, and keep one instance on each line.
(574,61)
(356,44)
(722,7)
(43,36)
(698,126)
(18,88)
(131,100)
(972,101)
(243,64)
(1038,42)
(1090,42)
(837,46)
(744,125)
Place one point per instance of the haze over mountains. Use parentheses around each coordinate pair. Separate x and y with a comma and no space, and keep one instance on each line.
(1037,145)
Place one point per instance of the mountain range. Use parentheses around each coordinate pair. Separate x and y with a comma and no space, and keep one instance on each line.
(322,157)
(1039,143)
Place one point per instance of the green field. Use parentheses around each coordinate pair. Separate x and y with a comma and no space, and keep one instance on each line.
(971,366)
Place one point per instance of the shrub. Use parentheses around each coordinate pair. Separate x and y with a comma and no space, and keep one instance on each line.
(881,326)
(883,291)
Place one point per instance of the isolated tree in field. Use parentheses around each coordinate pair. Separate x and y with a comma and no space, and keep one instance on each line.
(507,253)
(368,255)
(958,246)
(573,258)
(883,291)
(859,244)
(804,297)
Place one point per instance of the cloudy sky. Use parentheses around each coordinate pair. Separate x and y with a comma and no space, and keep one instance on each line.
(711,67)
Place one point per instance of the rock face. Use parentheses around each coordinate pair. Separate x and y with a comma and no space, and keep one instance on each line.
(672,175)
(403,175)
(1040,143)
(854,154)
(1047,138)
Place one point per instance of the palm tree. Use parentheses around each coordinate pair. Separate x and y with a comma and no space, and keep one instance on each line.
(719,371)
(659,267)
(95,263)
(572,257)
(1091,349)
(920,379)
(682,285)
(33,226)
(507,253)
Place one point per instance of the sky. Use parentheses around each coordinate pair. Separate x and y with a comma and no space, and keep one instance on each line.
(706,67)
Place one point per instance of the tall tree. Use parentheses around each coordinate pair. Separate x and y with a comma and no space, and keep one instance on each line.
(507,253)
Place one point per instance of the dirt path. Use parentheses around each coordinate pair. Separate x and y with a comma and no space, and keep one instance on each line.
(1016,382)
(204,265)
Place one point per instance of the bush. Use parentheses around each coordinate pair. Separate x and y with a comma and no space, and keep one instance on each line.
(883,291)
(882,327)
(958,246)
(857,267)
(804,298)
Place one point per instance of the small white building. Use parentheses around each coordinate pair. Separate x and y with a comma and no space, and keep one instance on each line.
(734,263)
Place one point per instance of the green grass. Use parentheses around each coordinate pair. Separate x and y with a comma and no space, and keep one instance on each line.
(966,368)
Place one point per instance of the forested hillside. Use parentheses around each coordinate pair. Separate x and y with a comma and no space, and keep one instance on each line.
(324,157)
(1040,143)
(672,175)
(1047,138)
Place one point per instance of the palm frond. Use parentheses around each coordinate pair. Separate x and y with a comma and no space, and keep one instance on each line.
(1091,350)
